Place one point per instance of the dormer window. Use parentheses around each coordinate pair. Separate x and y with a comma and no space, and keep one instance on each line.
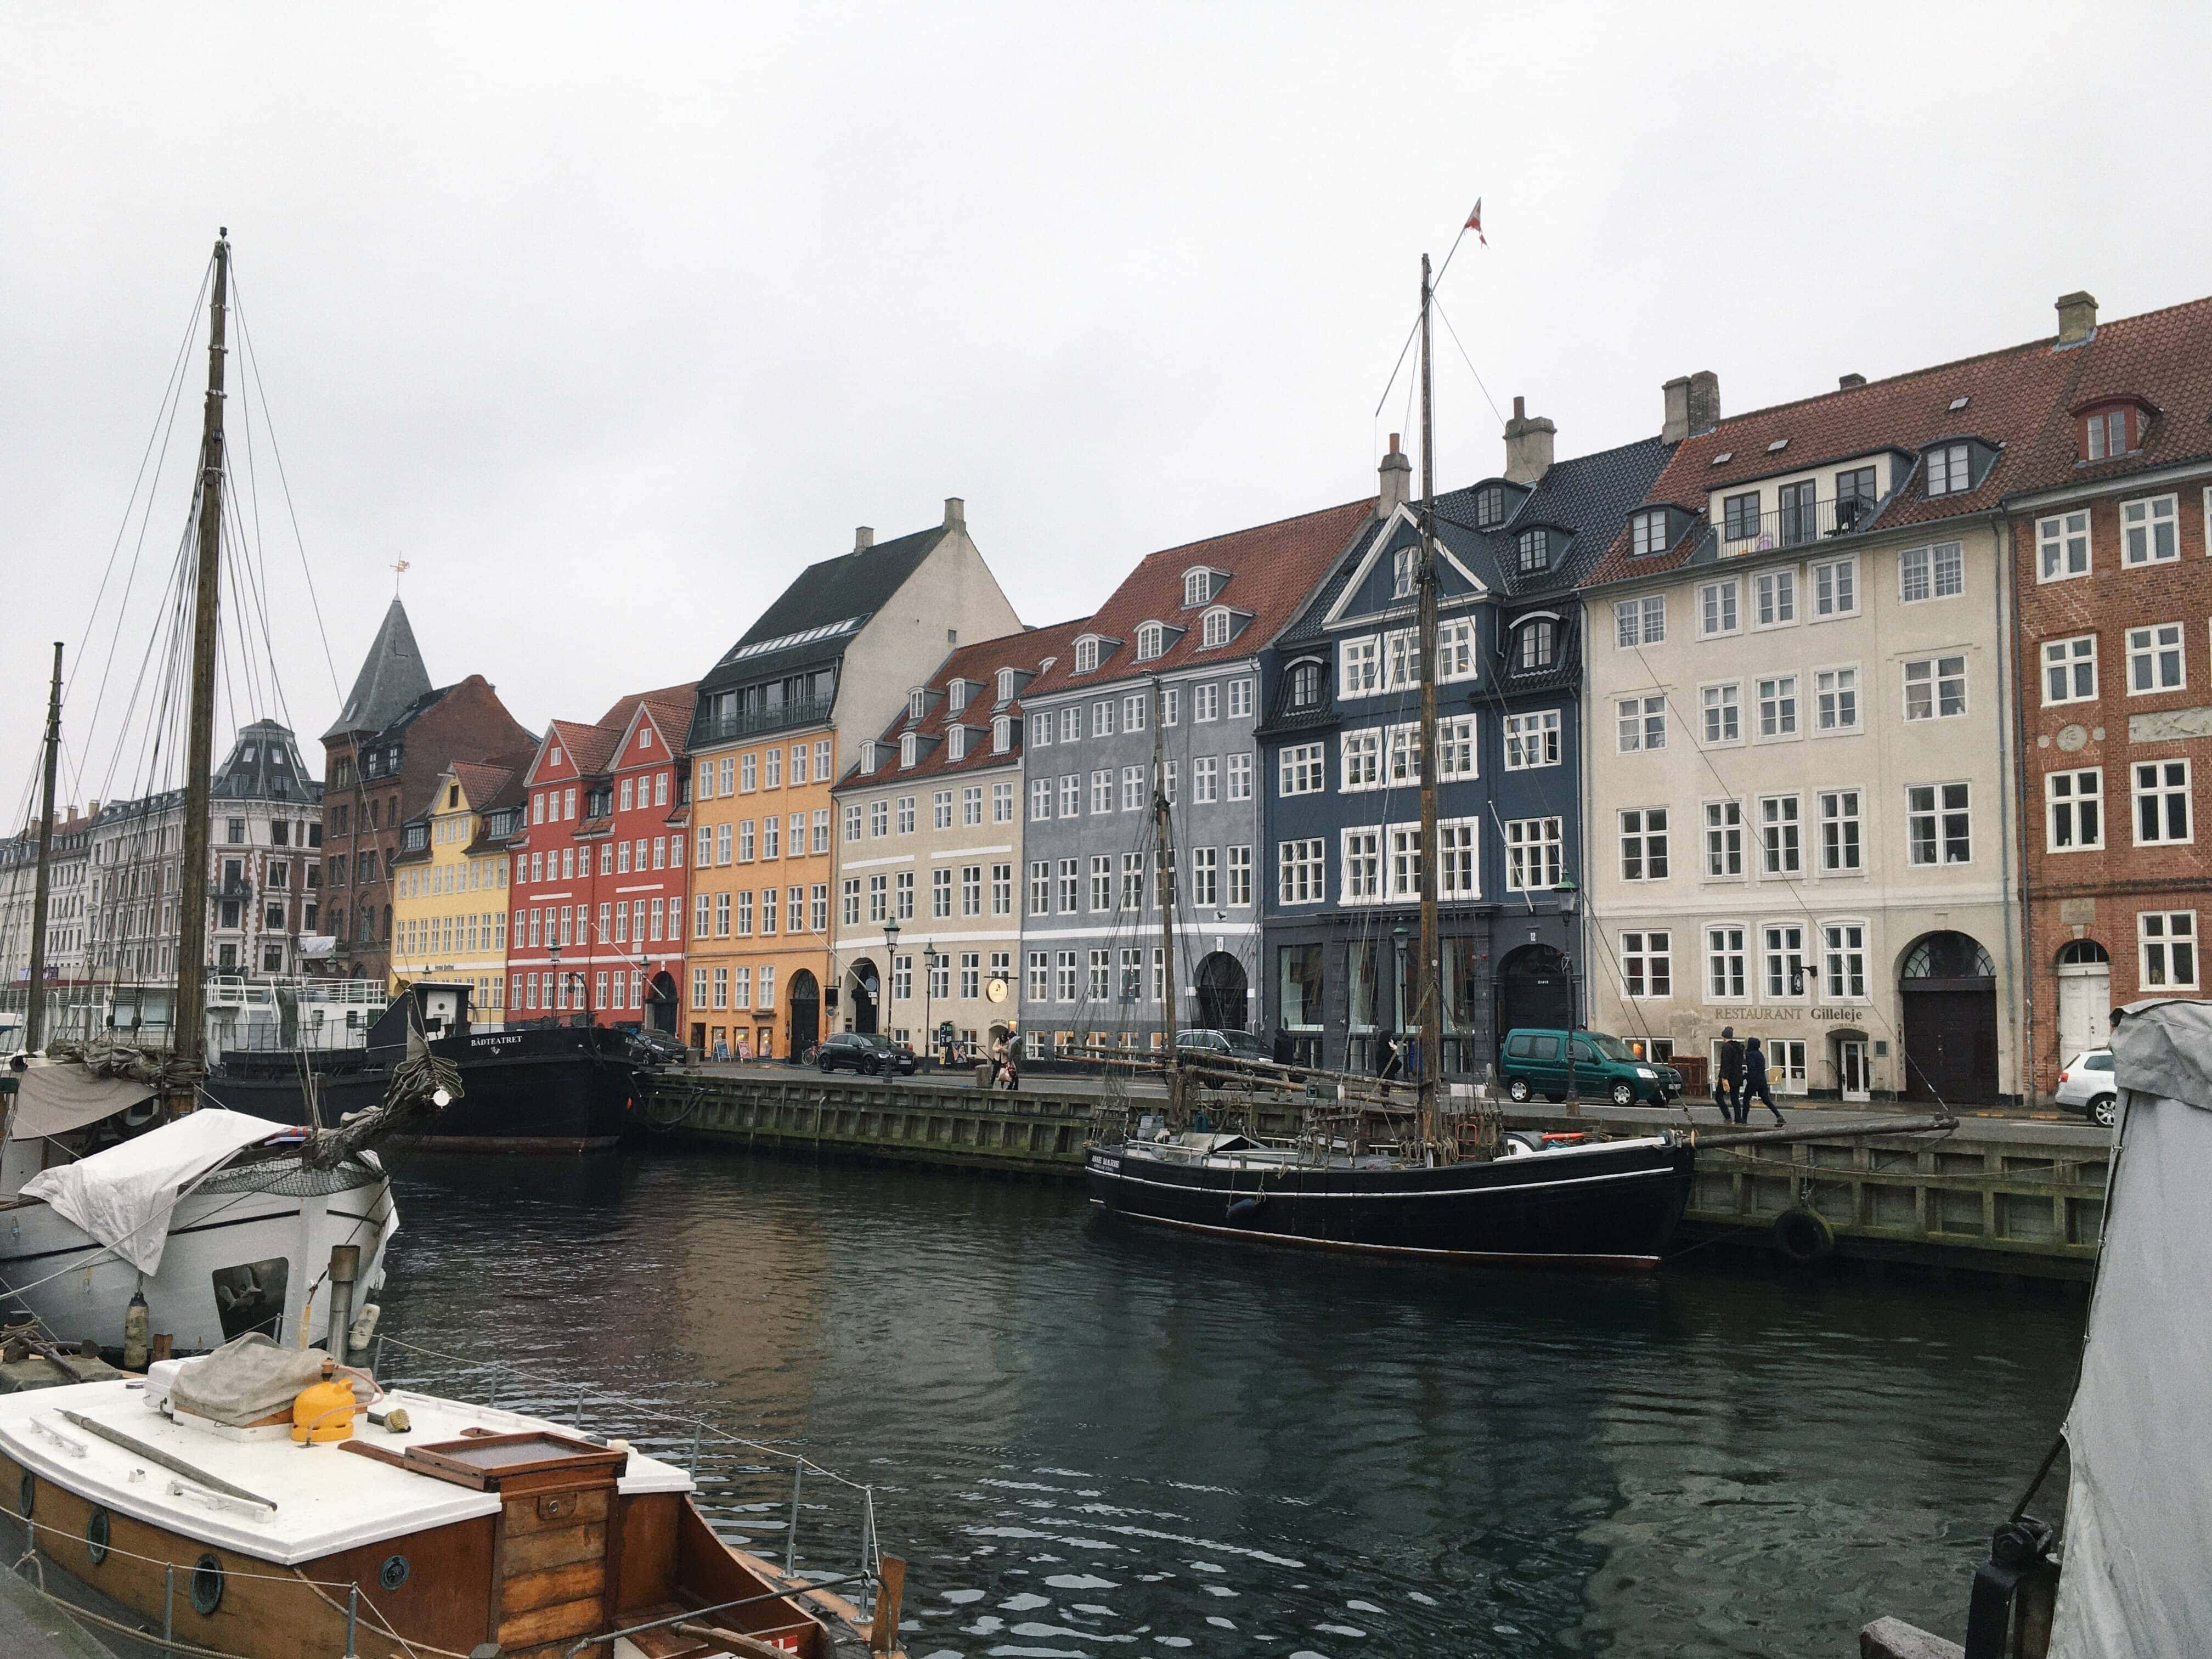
(956,743)
(1538,644)
(1405,571)
(1002,734)
(1490,507)
(917,704)
(906,748)
(1151,640)
(1648,532)
(870,758)
(956,697)
(1305,685)
(1197,588)
(1086,654)
(1215,630)
(1950,470)
(1005,685)
(2110,432)
(1535,551)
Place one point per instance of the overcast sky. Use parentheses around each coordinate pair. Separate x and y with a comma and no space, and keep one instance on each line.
(609,320)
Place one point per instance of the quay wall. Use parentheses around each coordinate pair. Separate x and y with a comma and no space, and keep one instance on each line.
(2031,1207)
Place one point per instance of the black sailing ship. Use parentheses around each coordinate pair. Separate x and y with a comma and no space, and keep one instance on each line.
(1367,1172)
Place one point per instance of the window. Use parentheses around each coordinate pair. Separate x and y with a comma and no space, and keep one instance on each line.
(1639,622)
(1642,723)
(1040,799)
(1300,770)
(1299,872)
(1305,685)
(1359,761)
(1777,707)
(1774,598)
(1799,512)
(1724,839)
(1534,855)
(2074,804)
(1538,644)
(1214,629)
(1532,740)
(1455,755)
(1854,485)
(1002,889)
(1835,588)
(1535,551)
(1935,688)
(1359,667)
(1086,654)
(1002,802)
(2062,546)
(1938,824)
(1405,747)
(1240,777)
(2154,661)
(1643,844)
(1931,573)
(1197,588)
(1455,657)
(1405,861)
(971,973)
(1724,959)
(1844,960)
(1647,964)
(1039,729)
(1240,693)
(1133,788)
(941,892)
(1779,853)
(1740,516)
(1133,881)
(1240,876)
(1205,876)
(1069,881)
(1102,881)
(1835,700)
(1405,571)
(1101,718)
(1151,640)
(2162,791)
(1717,609)
(1040,979)
(1950,470)
(1363,866)
(1205,701)
(2070,669)
(971,805)
(901,896)
(940,809)
(1041,887)
(1782,960)
(1071,724)
(2105,435)
(1205,780)
(2167,942)
(1723,713)
(1490,507)
(1647,532)
(1840,832)
(1002,733)
(1101,790)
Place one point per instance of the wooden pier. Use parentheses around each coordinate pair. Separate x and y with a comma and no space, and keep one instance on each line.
(1974,1200)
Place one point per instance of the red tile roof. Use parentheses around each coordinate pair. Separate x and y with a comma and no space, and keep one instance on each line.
(1271,568)
(2164,358)
(483,780)
(670,707)
(1027,652)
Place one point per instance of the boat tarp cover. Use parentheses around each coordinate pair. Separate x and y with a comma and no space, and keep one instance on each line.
(123,1196)
(246,1379)
(52,1100)
(2139,1497)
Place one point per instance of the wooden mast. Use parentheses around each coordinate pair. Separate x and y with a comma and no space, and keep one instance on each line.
(35,1007)
(188,1031)
(1178,1086)
(1430,1006)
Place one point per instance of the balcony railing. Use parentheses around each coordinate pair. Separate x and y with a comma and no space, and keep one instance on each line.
(809,711)
(1801,526)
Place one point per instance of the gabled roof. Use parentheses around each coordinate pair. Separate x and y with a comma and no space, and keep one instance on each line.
(1271,568)
(391,677)
(670,710)
(2163,357)
(480,782)
(1026,651)
(815,618)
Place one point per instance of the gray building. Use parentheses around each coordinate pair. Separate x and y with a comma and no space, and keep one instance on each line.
(1172,656)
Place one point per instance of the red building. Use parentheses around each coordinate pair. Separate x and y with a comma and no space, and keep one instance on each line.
(596,899)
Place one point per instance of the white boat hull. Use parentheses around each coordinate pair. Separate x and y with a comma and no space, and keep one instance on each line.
(222,1240)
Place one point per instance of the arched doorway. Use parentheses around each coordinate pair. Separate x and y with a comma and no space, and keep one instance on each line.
(2085,997)
(660,1003)
(1223,993)
(1947,987)
(863,986)
(1533,989)
(804,997)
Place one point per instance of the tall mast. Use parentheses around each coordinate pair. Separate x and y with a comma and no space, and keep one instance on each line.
(35,1007)
(188,1034)
(1430,1004)
(1166,874)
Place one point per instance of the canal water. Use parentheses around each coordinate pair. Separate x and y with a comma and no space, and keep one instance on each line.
(1091,1439)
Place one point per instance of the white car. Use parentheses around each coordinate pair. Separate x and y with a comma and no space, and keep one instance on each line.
(2086,1086)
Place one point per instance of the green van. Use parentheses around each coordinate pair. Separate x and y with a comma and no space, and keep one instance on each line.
(1536,1063)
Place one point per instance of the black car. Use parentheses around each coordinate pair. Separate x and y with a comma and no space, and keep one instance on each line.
(656,1048)
(867,1054)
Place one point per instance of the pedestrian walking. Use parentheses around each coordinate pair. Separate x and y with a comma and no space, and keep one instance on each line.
(1727,1093)
(1755,1083)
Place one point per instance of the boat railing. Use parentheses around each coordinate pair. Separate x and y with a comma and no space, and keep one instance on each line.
(714,1456)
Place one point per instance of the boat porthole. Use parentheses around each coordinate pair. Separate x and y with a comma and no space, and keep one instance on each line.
(207,1585)
(95,1536)
(394,1573)
(30,1494)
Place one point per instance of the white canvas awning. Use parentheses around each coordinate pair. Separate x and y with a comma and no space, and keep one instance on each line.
(56,1096)
(123,1196)
(2139,1499)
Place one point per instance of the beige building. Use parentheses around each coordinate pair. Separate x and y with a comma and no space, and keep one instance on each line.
(1797,745)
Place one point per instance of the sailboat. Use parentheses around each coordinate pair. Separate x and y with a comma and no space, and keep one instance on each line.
(1435,1177)
(127,1216)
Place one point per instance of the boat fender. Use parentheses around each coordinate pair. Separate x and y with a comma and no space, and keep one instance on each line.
(364,1327)
(1243,1209)
(1804,1236)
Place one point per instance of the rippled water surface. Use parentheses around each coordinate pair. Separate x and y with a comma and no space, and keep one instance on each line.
(1092,1440)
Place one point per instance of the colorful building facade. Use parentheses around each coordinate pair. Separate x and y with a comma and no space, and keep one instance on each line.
(449,887)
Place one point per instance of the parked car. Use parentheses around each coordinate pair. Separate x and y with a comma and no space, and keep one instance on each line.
(1204,1042)
(2086,1086)
(1536,1062)
(866,1052)
(656,1049)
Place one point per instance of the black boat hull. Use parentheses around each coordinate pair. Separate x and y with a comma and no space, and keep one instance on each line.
(1607,1207)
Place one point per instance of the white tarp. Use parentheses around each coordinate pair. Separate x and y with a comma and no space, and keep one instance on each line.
(54,1098)
(123,1196)
(2136,1581)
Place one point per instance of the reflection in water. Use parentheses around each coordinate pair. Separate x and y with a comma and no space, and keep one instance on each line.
(1094,1439)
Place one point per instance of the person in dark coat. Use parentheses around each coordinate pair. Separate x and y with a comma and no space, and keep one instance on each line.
(1755,1083)
(1393,1057)
(1728,1092)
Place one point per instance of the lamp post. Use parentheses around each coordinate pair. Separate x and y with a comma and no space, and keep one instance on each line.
(560,985)
(1399,936)
(929,960)
(1567,896)
(890,980)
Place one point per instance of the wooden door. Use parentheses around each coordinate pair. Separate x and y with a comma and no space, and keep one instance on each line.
(1950,1040)
(2085,1008)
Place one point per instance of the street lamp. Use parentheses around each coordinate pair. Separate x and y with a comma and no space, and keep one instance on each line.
(1399,936)
(929,960)
(560,985)
(1567,896)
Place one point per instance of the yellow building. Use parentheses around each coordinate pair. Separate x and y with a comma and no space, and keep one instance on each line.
(449,881)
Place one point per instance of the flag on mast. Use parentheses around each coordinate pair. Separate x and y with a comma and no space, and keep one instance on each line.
(1475,224)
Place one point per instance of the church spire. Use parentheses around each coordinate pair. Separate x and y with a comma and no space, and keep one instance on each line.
(391,677)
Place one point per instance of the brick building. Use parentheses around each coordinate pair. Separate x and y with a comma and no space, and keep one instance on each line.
(2108,521)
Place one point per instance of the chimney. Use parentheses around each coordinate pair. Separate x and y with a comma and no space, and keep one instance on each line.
(864,538)
(1846,382)
(1527,445)
(1694,406)
(2078,317)
(955,512)
(1396,474)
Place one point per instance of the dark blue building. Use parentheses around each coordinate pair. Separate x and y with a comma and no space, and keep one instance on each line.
(1340,757)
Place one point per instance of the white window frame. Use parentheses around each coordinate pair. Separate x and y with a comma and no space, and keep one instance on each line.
(1776,956)
(1721,824)
(1359,761)
(2163,788)
(1213,631)
(1359,667)
(2064,546)
(1647,964)
(1302,770)
(1459,853)
(1538,841)
(1197,588)
(1457,739)
(1456,657)
(1360,882)
(1638,623)
(2145,645)
(1783,703)
(2157,945)
(1086,654)
(1845,575)
(1301,870)
(2141,521)
(1652,843)
(1837,958)
(1856,691)
(1634,732)
(1938,811)
(1774,600)
(1933,556)
(1719,705)
(2066,658)
(1782,836)
(1935,679)
(1829,803)
(1728,961)
(1151,640)
(1720,608)
(2063,806)
(1536,734)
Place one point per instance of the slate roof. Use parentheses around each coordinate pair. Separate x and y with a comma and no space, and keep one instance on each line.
(851,587)
(275,773)
(2163,357)
(1027,651)
(391,677)
(1271,568)
(2009,396)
